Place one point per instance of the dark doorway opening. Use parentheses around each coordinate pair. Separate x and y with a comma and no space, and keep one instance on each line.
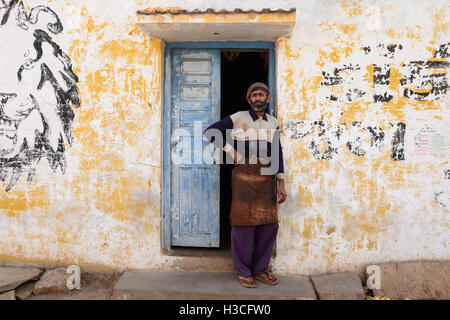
(239,69)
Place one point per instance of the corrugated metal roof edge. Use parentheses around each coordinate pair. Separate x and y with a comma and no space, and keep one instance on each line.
(152,11)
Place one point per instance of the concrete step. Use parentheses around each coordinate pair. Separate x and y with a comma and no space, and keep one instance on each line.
(179,285)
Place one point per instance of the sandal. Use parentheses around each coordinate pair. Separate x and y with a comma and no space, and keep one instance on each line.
(266,278)
(247,282)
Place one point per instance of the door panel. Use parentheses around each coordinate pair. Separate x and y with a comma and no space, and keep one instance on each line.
(195,96)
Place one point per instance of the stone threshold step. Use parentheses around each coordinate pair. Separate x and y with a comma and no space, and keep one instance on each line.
(179,285)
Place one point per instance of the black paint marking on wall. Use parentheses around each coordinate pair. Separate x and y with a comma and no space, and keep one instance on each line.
(384,50)
(381,81)
(49,141)
(422,80)
(391,48)
(23,19)
(442,198)
(298,129)
(331,137)
(336,79)
(358,146)
(447,174)
(442,52)
(398,143)
(321,138)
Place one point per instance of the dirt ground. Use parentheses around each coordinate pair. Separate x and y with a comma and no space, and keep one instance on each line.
(94,286)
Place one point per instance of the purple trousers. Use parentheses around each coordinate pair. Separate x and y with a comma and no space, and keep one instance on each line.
(251,247)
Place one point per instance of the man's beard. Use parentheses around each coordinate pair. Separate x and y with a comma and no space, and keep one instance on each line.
(258,107)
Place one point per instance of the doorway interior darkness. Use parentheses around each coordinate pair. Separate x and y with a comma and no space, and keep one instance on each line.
(239,69)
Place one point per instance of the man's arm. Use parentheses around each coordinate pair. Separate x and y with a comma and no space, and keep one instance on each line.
(221,127)
(282,195)
(280,172)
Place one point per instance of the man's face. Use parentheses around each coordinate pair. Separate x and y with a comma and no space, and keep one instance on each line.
(258,100)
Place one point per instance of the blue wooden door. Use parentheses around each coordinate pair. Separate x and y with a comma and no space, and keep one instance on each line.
(195,104)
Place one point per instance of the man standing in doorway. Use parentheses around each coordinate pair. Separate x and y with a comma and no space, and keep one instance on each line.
(252,140)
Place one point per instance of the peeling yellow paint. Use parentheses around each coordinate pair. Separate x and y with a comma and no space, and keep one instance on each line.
(352,7)
(16,201)
(441,23)
(131,51)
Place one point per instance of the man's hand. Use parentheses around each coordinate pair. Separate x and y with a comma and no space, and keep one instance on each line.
(282,195)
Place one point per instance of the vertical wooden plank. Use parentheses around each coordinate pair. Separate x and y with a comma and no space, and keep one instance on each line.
(166,168)
(205,200)
(214,192)
(195,207)
(195,96)
(185,203)
(272,82)
(175,170)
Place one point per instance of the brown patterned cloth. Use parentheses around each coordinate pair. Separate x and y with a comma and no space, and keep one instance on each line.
(254,201)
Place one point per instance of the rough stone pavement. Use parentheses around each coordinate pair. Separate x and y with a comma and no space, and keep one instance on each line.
(11,278)
(399,280)
(415,280)
(22,284)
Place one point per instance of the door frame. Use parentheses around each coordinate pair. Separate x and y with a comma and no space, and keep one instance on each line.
(166,234)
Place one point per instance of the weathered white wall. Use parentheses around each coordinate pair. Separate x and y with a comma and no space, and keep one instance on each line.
(344,210)
(353,205)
